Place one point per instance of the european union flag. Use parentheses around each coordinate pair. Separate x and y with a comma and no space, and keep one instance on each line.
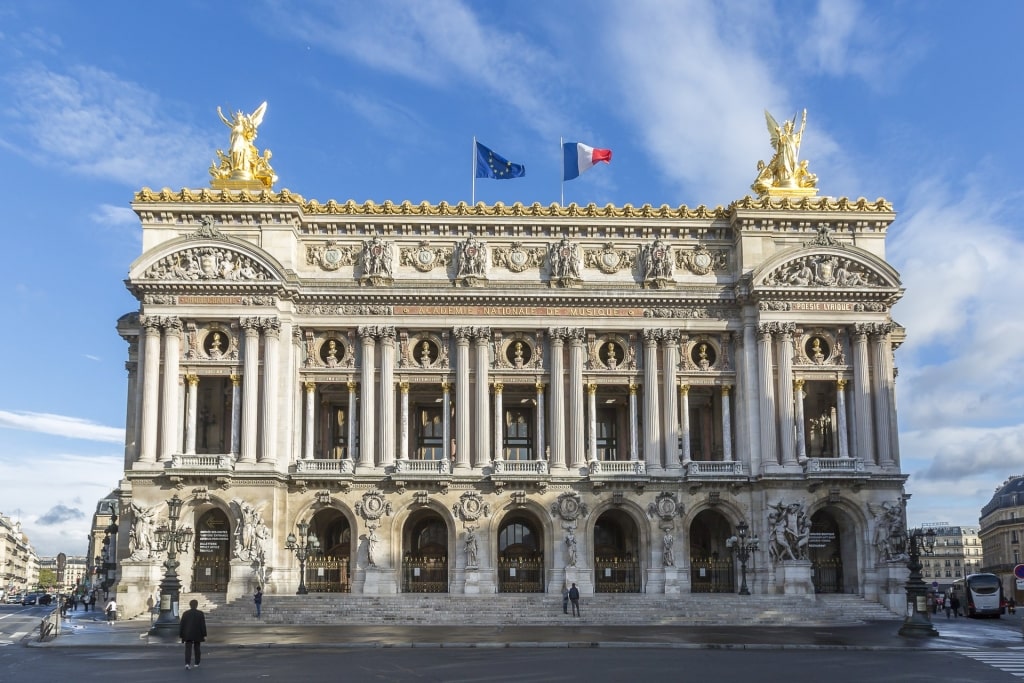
(491,165)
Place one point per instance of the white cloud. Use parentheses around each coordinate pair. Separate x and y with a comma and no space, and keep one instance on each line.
(91,123)
(61,425)
(439,43)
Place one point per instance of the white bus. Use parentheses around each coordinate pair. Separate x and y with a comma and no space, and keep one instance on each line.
(980,595)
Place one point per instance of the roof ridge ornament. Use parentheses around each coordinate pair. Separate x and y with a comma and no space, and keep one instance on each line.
(785,175)
(243,168)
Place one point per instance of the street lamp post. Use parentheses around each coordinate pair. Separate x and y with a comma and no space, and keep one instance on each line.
(743,550)
(918,623)
(174,540)
(305,545)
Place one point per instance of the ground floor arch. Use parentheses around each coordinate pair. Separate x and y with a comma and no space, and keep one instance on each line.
(330,570)
(616,544)
(211,567)
(832,550)
(426,558)
(712,569)
(520,545)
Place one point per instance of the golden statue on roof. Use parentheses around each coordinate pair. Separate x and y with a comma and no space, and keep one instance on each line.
(785,175)
(243,167)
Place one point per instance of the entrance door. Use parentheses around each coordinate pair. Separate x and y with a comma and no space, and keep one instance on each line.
(425,564)
(520,558)
(823,551)
(329,571)
(616,545)
(211,569)
(712,569)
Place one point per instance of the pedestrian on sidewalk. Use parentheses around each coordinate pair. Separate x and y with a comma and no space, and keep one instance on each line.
(192,630)
(257,598)
(565,599)
(111,610)
(574,598)
(954,603)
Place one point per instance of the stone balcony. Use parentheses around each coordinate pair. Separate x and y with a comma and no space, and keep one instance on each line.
(324,469)
(715,469)
(204,463)
(824,467)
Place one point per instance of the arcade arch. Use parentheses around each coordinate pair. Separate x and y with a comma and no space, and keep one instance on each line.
(425,562)
(711,563)
(520,554)
(616,553)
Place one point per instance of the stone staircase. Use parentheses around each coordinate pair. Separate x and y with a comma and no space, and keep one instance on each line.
(542,609)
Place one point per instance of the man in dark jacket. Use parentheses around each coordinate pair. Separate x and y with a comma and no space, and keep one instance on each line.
(574,598)
(192,631)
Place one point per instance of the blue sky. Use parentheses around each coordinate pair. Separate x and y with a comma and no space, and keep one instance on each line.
(914,101)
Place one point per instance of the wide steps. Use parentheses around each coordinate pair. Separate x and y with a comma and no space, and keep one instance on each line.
(544,609)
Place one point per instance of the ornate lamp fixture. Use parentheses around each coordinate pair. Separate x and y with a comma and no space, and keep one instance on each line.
(918,623)
(304,546)
(174,540)
(742,548)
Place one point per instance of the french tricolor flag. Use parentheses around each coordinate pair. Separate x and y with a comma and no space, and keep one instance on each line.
(578,157)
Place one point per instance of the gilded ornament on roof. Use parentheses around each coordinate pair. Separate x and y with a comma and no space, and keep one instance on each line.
(243,167)
(785,175)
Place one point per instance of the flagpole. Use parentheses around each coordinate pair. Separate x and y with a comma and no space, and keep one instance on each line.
(473,166)
(561,179)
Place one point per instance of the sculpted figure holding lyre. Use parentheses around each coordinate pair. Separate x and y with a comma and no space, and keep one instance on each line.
(243,161)
(784,171)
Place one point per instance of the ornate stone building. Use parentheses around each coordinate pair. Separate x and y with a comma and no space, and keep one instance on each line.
(1002,534)
(481,399)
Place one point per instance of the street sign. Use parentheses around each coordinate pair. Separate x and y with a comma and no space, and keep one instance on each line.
(1018,571)
(935,584)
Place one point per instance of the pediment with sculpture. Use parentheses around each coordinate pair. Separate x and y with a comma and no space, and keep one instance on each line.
(827,267)
(205,262)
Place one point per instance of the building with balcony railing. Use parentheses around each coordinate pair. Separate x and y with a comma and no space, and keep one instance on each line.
(480,399)
(957,553)
(1002,533)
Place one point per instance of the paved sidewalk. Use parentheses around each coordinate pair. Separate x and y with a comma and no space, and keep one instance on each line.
(90,630)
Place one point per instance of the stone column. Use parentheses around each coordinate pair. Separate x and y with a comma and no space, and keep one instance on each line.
(652,433)
(446,421)
(271,352)
(785,404)
(172,355)
(179,433)
(133,418)
(591,422)
(250,388)
(350,450)
(684,415)
(462,407)
(403,420)
(634,425)
(150,390)
(801,435)
(862,394)
(367,407)
(482,446)
(539,386)
(557,402)
(726,425)
(882,389)
(387,397)
(577,428)
(766,405)
(499,433)
(236,414)
(310,426)
(670,411)
(844,449)
(190,414)
(750,405)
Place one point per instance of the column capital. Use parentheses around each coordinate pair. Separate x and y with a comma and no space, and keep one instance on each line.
(193,380)
(236,380)
(684,389)
(404,387)
(591,389)
(840,384)
(310,387)
(798,384)
(633,389)
(498,387)
(352,386)
(172,325)
(725,389)
(539,386)
(446,386)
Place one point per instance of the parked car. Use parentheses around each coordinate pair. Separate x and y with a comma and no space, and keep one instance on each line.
(14,599)
(29,599)
(45,598)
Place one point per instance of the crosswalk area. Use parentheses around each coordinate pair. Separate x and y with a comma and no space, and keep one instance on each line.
(1010,662)
(12,638)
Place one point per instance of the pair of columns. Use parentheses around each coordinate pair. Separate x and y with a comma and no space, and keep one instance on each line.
(165,389)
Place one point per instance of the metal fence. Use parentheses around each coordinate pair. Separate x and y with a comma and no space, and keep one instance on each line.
(710,575)
(520,575)
(616,575)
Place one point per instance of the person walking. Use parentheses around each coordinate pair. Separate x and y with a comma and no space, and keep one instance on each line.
(111,610)
(257,598)
(192,631)
(574,598)
(954,603)
(565,599)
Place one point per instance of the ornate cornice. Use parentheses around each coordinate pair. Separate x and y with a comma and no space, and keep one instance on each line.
(406,208)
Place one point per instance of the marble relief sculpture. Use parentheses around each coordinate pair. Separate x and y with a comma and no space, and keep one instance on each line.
(142,535)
